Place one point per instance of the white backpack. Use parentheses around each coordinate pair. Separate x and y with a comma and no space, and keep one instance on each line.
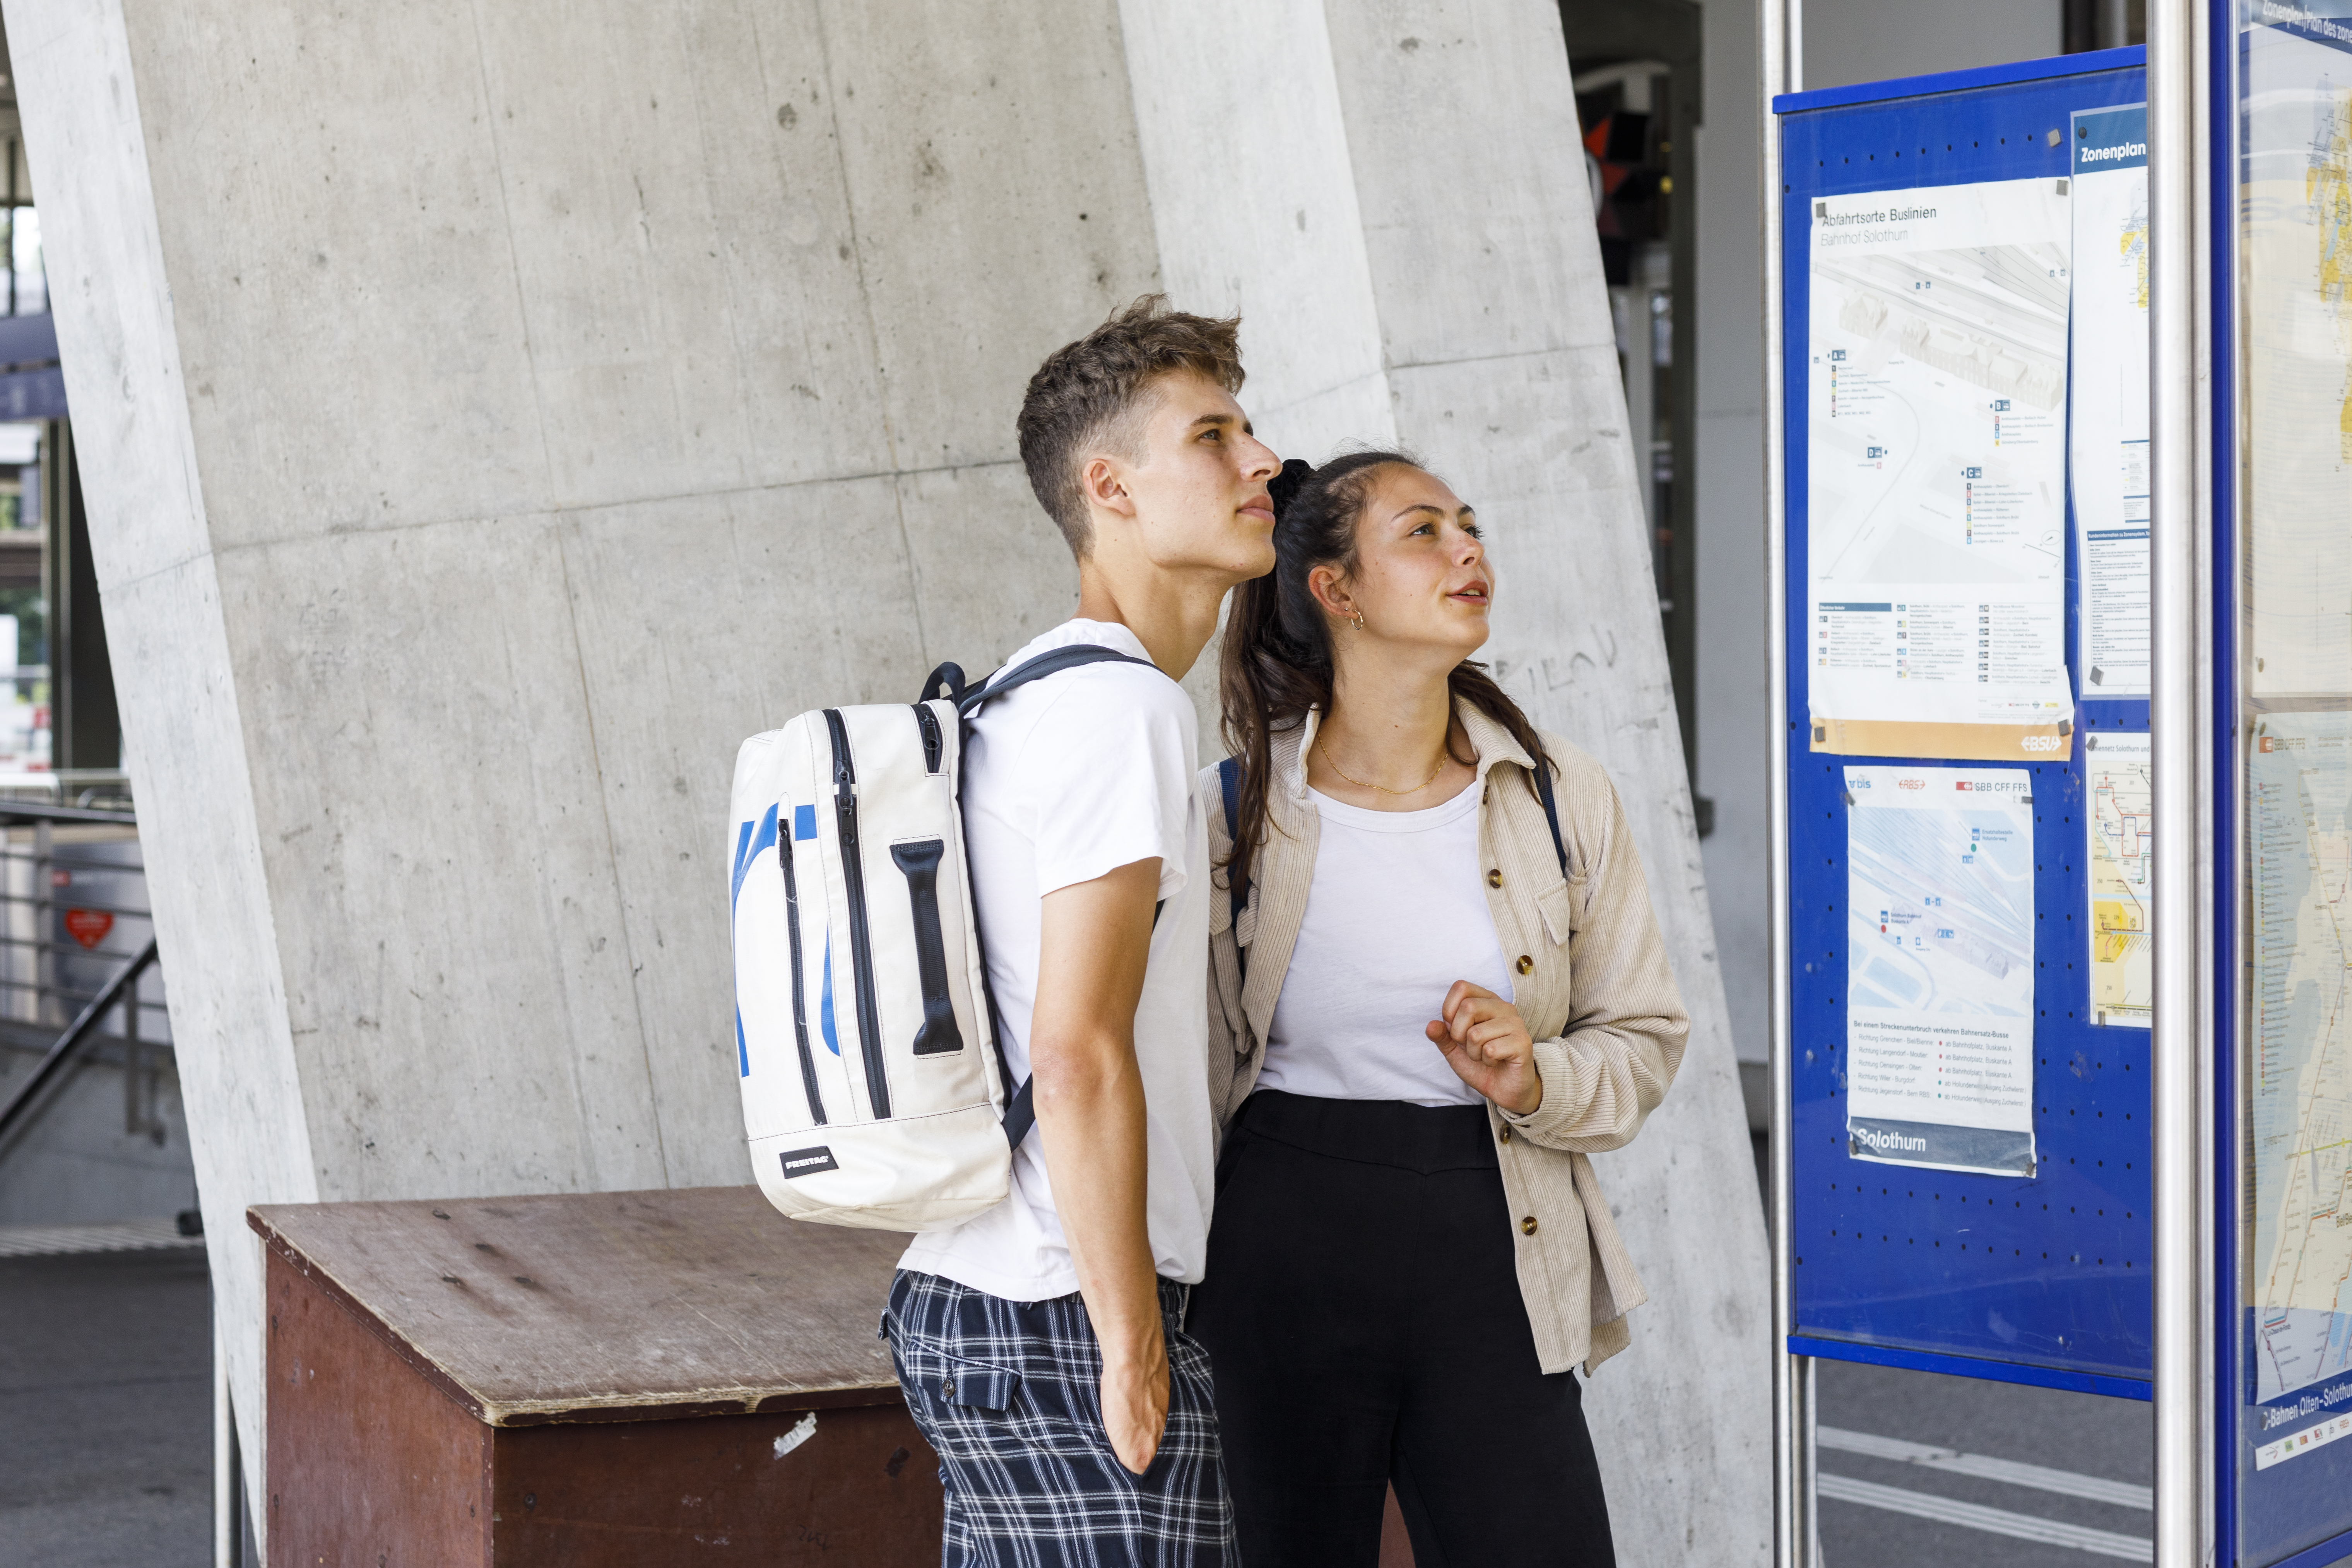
(874,1086)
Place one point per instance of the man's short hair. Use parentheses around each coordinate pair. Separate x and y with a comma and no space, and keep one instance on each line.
(1093,394)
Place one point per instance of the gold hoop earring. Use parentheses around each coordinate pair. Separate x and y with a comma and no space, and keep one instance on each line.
(1360,620)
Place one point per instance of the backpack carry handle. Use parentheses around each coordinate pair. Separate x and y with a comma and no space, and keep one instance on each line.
(944,684)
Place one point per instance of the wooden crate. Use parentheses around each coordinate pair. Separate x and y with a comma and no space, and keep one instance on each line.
(623,1378)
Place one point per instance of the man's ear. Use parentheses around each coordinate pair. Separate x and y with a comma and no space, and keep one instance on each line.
(1103,481)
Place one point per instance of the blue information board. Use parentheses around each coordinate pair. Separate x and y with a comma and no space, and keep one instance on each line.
(2043,1278)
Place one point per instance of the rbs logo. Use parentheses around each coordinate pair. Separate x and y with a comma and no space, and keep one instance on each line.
(2043,742)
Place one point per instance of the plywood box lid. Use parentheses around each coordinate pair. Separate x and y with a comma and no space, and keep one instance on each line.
(606,1306)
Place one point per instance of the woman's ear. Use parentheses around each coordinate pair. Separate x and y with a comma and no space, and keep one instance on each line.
(1324,582)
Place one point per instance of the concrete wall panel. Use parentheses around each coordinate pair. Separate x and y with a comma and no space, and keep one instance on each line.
(991,569)
(692,293)
(1435,90)
(1848,41)
(991,159)
(1255,200)
(345,288)
(459,985)
(240,1080)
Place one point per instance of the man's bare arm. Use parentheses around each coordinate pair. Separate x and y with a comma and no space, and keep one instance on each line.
(1094,942)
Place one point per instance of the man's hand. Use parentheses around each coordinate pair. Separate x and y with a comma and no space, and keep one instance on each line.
(1094,940)
(1135,1401)
(1487,1044)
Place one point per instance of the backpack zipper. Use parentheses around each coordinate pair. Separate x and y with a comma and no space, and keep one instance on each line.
(929,723)
(861,950)
(784,841)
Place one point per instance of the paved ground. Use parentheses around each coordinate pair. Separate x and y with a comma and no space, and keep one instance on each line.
(2074,1435)
(106,1411)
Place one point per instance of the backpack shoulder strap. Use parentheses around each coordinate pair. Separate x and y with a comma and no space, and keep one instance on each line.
(1229,783)
(1021,1109)
(1051,662)
(1551,814)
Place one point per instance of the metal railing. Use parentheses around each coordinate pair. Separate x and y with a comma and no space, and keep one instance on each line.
(82,1028)
(78,979)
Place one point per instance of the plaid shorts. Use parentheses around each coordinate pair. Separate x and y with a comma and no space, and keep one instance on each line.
(1010,1396)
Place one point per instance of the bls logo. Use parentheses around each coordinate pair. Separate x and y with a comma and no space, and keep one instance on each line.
(2042,742)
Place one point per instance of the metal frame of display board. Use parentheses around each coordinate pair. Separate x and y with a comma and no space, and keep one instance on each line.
(2192,1344)
(2290,1509)
(2045,1280)
(2190,855)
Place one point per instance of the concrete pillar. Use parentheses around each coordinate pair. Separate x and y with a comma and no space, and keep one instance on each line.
(491,414)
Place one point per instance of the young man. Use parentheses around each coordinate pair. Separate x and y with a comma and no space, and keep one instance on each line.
(1040,1345)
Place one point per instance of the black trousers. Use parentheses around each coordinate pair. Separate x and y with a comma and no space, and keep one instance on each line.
(1364,1325)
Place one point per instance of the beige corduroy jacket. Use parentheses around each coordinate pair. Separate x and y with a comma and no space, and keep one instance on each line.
(1592,981)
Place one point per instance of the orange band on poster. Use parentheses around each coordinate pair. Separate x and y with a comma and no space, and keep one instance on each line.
(1953,743)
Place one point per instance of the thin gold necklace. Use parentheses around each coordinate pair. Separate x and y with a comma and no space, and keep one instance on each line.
(1443,757)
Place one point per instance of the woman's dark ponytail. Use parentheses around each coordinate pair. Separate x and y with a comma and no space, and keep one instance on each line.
(1277,664)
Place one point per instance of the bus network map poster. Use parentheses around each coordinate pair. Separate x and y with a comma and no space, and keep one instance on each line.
(1936,452)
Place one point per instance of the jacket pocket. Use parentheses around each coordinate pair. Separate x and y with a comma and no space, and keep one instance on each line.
(1557,905)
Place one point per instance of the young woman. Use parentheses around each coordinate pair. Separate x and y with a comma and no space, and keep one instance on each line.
(1421,1026)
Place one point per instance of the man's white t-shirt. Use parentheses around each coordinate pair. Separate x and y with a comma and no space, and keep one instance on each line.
(1396,914)
(1064,780)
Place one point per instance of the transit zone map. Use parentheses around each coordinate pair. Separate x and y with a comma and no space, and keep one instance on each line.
(2123,979)
(1937,462)
(2296,215)
(2299,783)
(1939,865)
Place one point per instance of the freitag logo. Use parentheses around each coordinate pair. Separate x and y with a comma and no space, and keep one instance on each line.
(808,1161)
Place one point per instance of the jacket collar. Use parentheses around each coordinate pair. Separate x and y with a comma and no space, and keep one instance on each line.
(1490,741)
